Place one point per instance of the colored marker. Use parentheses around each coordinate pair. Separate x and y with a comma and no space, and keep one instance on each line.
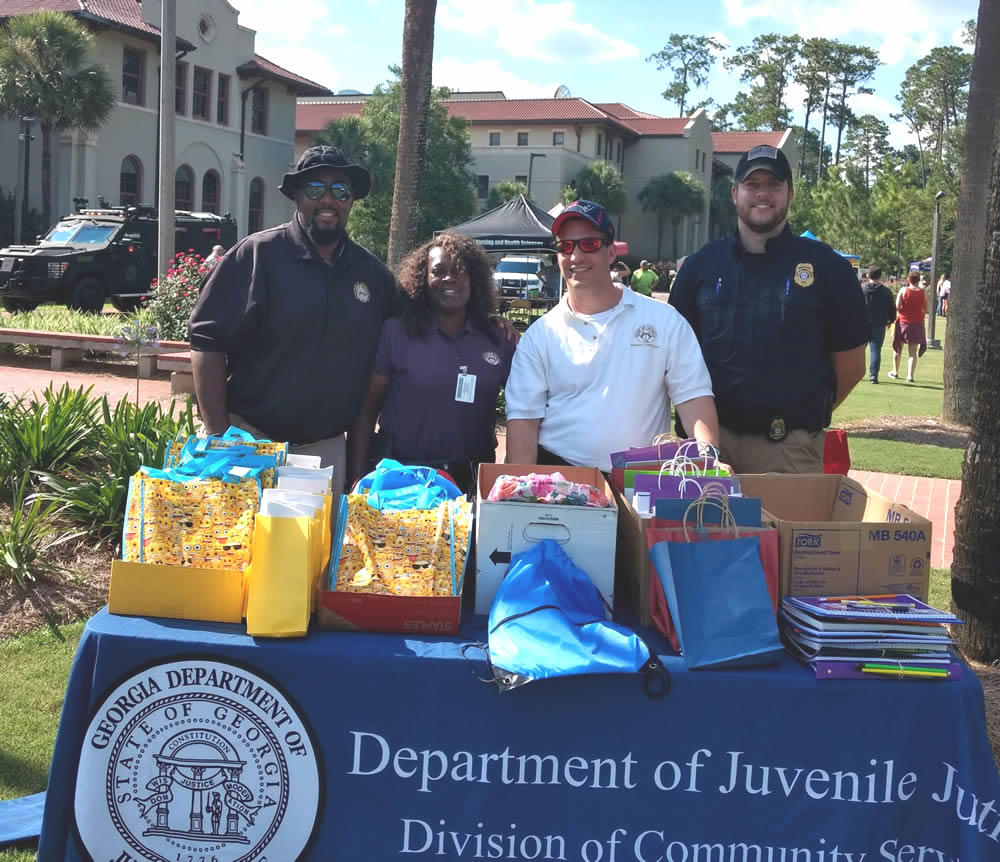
(905,673)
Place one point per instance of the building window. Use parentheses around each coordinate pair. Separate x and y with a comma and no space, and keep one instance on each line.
(130,181)
(180,97)
(521,178)
(522,139)
(210,192)
(222,101)
(184,188)
(258,113)
(703,157)
(134,77)
(558,138)
(482,186)
(494,139)
(607,148)
(201,94)
(255,219)
(600,142)
(697,159)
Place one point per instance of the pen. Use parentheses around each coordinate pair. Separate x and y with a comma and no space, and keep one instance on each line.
(890,606)
(905,673)
(858,598)
(784,301)
(874,665)
(718,286)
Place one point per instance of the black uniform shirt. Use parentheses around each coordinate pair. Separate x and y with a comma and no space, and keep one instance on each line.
(881,304)
(299,333)
(767,323)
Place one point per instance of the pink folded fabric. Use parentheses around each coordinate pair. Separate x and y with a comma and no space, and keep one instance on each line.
(547,488)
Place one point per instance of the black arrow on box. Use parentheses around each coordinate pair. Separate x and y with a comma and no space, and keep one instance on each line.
(499,556)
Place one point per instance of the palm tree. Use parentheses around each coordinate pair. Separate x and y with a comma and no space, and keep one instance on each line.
(977,539)
(672,196)
(418,54)
(503,192)
(45,72)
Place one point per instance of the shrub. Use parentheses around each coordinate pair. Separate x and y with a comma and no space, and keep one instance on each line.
(25,539)
(175,295)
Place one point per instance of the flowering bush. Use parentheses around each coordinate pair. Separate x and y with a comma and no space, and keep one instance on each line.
(175,295)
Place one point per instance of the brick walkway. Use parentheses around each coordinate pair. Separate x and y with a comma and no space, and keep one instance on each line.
(935,499)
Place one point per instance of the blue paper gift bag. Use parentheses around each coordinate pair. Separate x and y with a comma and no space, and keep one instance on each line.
(719,602)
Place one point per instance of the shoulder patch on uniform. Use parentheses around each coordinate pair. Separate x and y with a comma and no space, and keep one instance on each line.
(491,358)
(361,292)
(804,275)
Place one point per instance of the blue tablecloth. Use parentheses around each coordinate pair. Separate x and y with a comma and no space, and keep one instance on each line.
(190,742)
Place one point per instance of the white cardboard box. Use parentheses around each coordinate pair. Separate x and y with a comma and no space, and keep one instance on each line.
(504,529)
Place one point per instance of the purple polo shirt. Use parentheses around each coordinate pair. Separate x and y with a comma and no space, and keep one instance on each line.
(420,410)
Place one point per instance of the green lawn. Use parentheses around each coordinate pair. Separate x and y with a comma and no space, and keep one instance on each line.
(899,398)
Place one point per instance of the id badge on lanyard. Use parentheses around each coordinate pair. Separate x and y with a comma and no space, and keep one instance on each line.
(465,388)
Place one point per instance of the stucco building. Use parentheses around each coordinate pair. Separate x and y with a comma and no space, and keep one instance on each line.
(235,115)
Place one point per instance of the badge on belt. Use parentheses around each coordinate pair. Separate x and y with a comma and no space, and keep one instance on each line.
(777,431)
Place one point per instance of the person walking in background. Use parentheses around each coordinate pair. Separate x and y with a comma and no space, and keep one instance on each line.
(943,291)
(881,315)
(644,279)
(911,306)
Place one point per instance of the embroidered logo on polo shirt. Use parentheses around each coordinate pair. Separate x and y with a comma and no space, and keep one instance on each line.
(195,758)
(644,335)
(804,275)
(491,358)
(361,292)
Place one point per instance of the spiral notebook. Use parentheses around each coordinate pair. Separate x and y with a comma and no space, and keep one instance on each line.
(898,608)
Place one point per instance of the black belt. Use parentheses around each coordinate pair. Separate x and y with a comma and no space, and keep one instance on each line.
(776,423)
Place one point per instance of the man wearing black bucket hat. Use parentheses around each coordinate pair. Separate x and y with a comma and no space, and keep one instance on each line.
(284,333)
(781,322)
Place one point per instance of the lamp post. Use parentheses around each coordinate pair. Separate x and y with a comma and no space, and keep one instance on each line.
(933,342)
(24,138)
(531,162)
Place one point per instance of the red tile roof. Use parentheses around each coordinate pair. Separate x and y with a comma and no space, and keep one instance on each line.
(313,116)
(525,110)
(740,142)
(657,126)
(127,15)
(624,112)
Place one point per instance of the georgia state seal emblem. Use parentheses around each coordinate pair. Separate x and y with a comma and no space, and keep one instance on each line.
(199,759)
(361,292)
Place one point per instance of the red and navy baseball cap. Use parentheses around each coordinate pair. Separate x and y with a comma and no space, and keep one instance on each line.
(763,156)
(594,213)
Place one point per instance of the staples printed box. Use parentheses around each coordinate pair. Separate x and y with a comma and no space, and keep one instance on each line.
(504,529)
(837,537)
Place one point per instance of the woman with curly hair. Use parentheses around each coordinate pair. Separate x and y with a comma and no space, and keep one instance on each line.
(439,366)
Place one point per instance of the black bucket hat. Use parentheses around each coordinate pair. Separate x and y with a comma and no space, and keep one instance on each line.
(326,157)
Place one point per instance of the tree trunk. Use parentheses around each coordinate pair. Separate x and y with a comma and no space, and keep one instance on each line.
(46,178)
(841,122)
(674,224)
(975,578)
(659,237)
(805,137)
(822,135)
(415,96)
(960,358)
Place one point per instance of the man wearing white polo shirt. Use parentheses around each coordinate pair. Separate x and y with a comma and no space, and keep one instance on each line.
(598,372)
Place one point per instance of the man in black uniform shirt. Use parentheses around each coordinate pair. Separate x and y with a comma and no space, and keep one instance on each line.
(284,333)
(781,321)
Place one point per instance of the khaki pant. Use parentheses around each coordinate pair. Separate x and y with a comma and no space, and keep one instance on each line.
(800,452)
(332,451)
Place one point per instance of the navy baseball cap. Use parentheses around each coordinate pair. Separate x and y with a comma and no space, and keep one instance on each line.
(594,213)
(763,156)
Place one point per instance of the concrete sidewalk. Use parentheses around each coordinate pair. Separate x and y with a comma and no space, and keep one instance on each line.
(933,498)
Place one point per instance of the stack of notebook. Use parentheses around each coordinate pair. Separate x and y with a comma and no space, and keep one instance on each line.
(870,637)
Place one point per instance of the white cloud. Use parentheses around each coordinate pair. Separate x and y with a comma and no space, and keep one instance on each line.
(534,30)
(488,75)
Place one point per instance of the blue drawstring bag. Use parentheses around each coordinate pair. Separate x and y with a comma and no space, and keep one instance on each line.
(548,620)
(395,486)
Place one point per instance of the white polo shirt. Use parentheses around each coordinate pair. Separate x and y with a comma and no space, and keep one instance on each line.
(601,383)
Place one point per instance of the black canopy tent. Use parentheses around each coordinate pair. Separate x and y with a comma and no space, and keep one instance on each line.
(518,225)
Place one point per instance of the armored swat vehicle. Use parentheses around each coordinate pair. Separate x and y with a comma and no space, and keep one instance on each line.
(98,254)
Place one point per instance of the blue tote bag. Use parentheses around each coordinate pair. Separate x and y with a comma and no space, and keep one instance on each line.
(719,602)
(548,620)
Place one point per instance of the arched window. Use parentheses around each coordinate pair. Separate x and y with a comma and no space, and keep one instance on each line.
(130,181)
(255,221)
(184,188)
(210,192)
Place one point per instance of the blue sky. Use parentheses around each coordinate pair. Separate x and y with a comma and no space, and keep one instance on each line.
(597,49)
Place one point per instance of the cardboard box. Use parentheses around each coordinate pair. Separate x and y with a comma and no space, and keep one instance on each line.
(839,538)
(180,592)
(587,534)
(632,567)
(371,613)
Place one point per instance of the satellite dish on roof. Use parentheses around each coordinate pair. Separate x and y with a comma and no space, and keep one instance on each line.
(562,92)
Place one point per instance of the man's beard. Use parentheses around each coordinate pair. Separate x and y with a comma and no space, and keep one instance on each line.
(324,236)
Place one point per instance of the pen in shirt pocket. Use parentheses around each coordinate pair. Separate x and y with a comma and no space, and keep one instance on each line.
(784,301)
(718,286)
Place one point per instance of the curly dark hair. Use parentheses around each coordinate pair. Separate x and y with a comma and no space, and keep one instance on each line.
(417,314)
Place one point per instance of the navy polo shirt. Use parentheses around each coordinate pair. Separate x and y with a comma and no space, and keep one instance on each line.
(420,411)
(299,332)
(767,323)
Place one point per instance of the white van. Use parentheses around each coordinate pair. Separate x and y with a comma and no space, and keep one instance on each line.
(518,277)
